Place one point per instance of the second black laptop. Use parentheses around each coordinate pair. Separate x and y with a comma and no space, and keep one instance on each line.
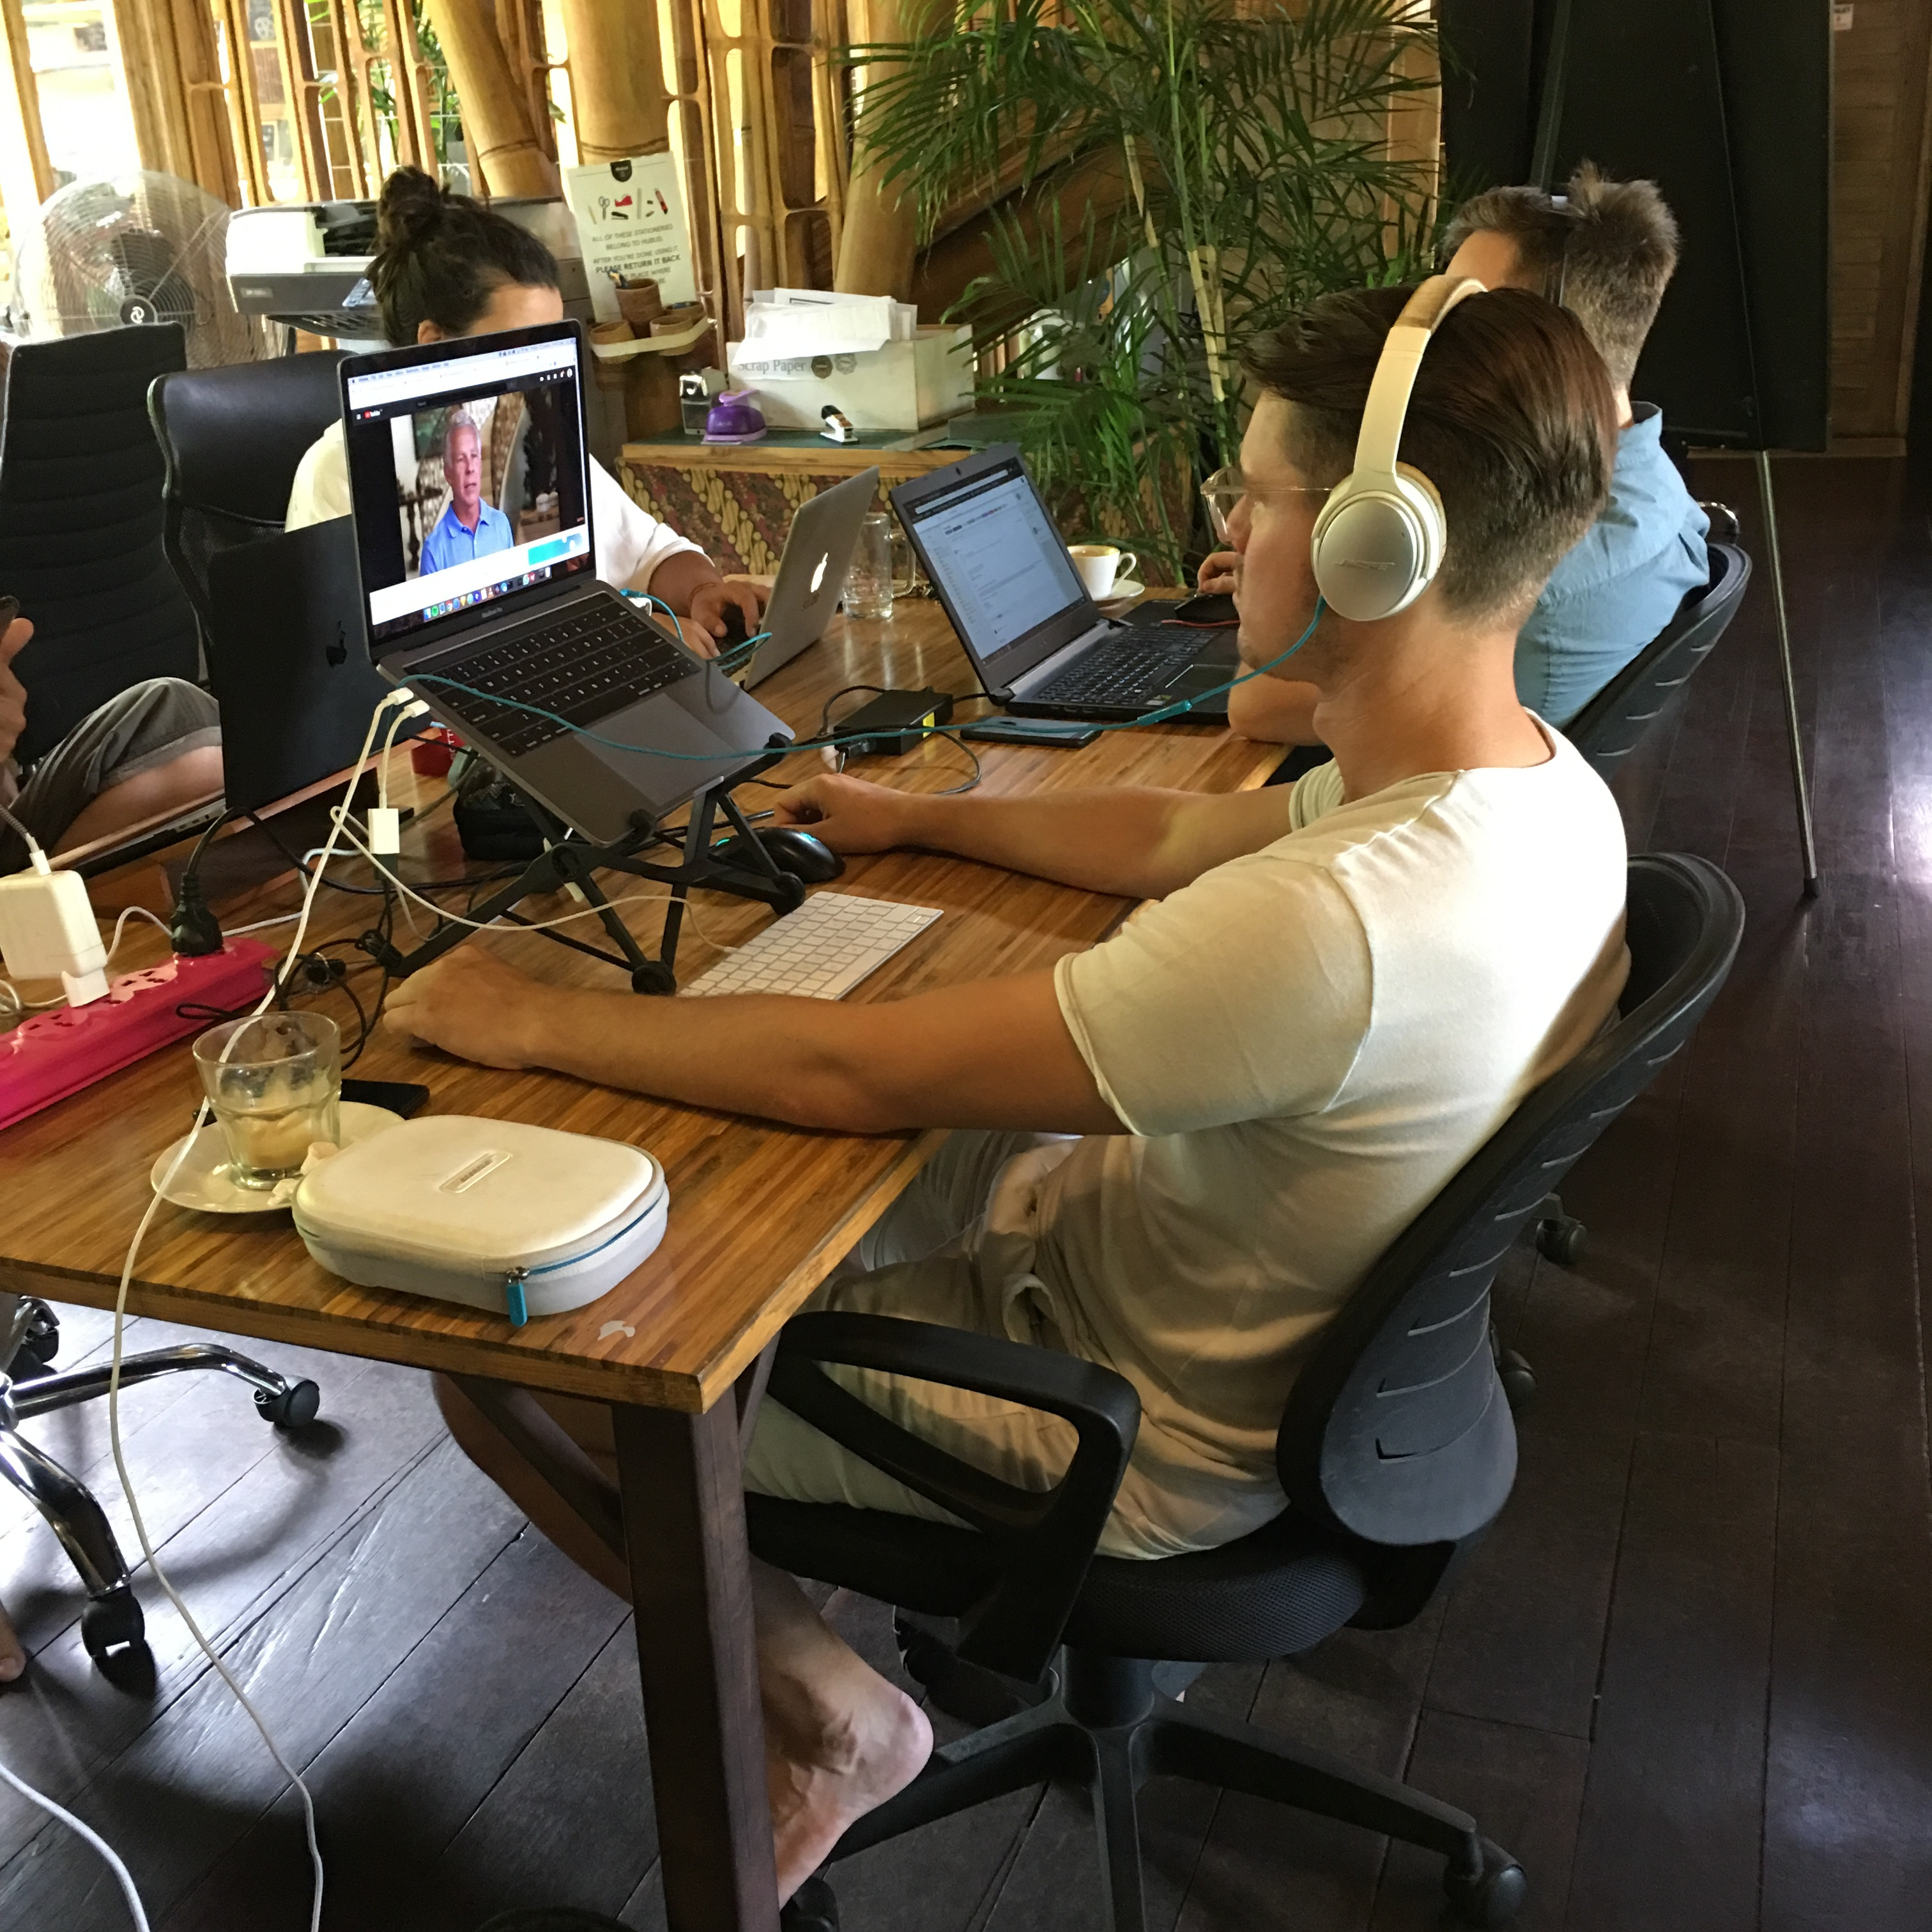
(1040,644)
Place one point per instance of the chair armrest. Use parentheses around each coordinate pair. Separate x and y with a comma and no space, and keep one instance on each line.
(1045,1539)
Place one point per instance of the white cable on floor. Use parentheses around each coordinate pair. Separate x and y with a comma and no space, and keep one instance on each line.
(338,818)
(82,1829)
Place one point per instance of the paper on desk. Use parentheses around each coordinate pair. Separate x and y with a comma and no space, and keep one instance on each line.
(781,322)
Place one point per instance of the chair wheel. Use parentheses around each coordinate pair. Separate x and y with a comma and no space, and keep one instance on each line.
(1518,1379)
(112,1622)
(1492,1896)
(1561,1238)
(654,977)
(295,1408)
(812,1908)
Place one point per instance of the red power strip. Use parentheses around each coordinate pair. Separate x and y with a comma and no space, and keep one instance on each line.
(46,1058)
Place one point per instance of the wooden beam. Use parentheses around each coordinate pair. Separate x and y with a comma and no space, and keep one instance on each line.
(26,175)
(503,140)
(876,248)
(619,106)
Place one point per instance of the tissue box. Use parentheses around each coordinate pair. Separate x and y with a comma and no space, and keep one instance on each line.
(902,385)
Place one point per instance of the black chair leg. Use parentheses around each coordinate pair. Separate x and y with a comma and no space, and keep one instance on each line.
(1116,1781)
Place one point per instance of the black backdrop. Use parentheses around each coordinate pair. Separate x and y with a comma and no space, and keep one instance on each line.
(1726,105)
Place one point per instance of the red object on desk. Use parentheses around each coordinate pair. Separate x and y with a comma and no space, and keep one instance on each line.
(50,1055)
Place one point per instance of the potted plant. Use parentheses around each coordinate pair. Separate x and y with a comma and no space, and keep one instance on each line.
(1164,178)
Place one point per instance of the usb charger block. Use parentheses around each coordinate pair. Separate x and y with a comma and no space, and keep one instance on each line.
(47,929)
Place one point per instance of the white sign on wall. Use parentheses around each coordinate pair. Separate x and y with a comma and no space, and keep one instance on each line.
(630,219)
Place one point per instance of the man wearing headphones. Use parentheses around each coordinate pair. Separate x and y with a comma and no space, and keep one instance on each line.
(1185,1146)
(1606,251)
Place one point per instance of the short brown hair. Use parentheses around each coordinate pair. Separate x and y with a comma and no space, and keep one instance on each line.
(1512,418)
(1610,246)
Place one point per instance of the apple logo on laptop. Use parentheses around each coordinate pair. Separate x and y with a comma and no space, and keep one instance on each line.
(818,576)
(338,652)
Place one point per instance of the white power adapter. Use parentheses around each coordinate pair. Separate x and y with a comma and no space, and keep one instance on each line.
(47,928)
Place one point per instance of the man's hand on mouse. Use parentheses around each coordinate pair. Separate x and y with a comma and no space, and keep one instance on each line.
(12,693)
(850,815)
(474,1005)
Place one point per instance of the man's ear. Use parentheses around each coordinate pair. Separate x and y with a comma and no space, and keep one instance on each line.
(427,332)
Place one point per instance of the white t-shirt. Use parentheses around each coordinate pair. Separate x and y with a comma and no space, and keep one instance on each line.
(630,544)
(1307,1043)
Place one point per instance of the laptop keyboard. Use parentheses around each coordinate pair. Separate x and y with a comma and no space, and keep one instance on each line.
(1119,675)
(583,665)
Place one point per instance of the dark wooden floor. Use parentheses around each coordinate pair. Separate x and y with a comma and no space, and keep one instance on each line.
(1688,1680)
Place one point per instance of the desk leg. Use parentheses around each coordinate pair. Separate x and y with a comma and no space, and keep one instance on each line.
(684,1525)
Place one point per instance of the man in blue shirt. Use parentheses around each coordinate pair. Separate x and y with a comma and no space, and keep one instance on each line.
(1606,251)
(469,527)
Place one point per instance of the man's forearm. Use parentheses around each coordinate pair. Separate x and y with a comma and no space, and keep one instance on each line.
(1101,842)
(680,576)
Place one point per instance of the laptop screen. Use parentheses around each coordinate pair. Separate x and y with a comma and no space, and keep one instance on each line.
(467,467)
(991,548)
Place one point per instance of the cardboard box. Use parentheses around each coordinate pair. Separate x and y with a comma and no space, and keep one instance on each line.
(901,386)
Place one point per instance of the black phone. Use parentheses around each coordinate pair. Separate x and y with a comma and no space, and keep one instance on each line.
(1214,608)
(10,609)
(400,1096)
(1072,733)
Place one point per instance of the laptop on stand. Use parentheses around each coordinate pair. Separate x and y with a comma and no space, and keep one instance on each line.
(1040,644)
(483,607)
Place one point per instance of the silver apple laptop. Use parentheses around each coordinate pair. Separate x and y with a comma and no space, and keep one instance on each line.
(479,588)
(811,572)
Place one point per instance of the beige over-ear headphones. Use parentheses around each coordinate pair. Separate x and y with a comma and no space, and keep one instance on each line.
(1380,537)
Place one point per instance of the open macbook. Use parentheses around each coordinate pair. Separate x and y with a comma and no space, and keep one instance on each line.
(468,471)
(811,572)
(1039,642)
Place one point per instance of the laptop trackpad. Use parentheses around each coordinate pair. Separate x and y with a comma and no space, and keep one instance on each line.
(707,718)
(1197,681)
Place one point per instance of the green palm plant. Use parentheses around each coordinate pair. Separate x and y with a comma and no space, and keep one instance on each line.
(1166,177)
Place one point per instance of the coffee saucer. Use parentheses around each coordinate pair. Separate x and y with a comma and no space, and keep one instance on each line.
(1125,590)
(202,1180)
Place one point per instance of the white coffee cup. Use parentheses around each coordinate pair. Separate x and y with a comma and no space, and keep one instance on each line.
(1099,565)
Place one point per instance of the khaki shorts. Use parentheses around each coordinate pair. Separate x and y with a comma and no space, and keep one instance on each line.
(910,1265)
(148,725)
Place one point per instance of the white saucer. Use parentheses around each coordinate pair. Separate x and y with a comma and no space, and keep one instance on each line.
(203,1181)
(1125,589)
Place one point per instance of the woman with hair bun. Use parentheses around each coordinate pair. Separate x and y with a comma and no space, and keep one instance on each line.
(446,266)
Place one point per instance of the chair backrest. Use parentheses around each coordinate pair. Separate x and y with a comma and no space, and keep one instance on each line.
(80,525)
(231,439)
(1606,729)
(1396,1430)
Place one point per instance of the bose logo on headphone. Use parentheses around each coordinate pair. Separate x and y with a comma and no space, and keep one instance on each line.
(1380,537)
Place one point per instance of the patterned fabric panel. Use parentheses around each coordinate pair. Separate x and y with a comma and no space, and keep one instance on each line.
(738,517)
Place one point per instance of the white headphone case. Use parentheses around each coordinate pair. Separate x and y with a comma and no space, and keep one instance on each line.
(515,1219)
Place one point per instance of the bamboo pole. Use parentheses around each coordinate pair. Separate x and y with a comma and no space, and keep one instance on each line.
(173,73)
(879,236)
(618,103)
(26,175)
(503,140)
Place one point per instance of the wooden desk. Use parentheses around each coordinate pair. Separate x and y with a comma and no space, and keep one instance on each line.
(760,1214)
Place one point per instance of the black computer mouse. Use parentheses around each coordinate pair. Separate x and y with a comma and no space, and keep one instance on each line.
(792,850)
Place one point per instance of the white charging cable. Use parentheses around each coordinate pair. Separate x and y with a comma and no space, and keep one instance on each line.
(82,1829)
(339,819)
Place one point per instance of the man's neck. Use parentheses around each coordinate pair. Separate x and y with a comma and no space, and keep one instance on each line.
(1625,414)
(470,518)
(1426,704)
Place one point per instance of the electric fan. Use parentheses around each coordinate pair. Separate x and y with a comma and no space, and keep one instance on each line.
(142,247)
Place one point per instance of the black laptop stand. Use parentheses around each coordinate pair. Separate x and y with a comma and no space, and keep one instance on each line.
(570,860)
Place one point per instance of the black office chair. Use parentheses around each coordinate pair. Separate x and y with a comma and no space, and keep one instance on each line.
(1396,1451)
(1607,729)
(231,439)
(80,525)
(112,1624)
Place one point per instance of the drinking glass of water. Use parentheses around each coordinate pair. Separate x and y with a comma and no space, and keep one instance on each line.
(275,1081)
(869,584)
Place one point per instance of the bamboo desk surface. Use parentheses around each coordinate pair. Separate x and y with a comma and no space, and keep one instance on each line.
(760,1213)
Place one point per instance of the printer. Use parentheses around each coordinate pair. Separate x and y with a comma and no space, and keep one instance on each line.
(306,265)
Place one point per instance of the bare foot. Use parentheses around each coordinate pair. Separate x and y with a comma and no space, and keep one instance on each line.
(12,1658)
(825,1769)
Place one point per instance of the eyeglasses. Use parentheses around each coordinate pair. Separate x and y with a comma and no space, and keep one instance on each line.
(1227,486)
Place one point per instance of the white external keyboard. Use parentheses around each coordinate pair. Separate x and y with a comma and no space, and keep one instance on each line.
(821,951)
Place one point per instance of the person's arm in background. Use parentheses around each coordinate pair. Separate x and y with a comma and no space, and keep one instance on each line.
(1271,710)
(12,704)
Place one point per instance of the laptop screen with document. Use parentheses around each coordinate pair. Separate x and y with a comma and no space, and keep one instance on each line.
(990,547)
(468,473)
